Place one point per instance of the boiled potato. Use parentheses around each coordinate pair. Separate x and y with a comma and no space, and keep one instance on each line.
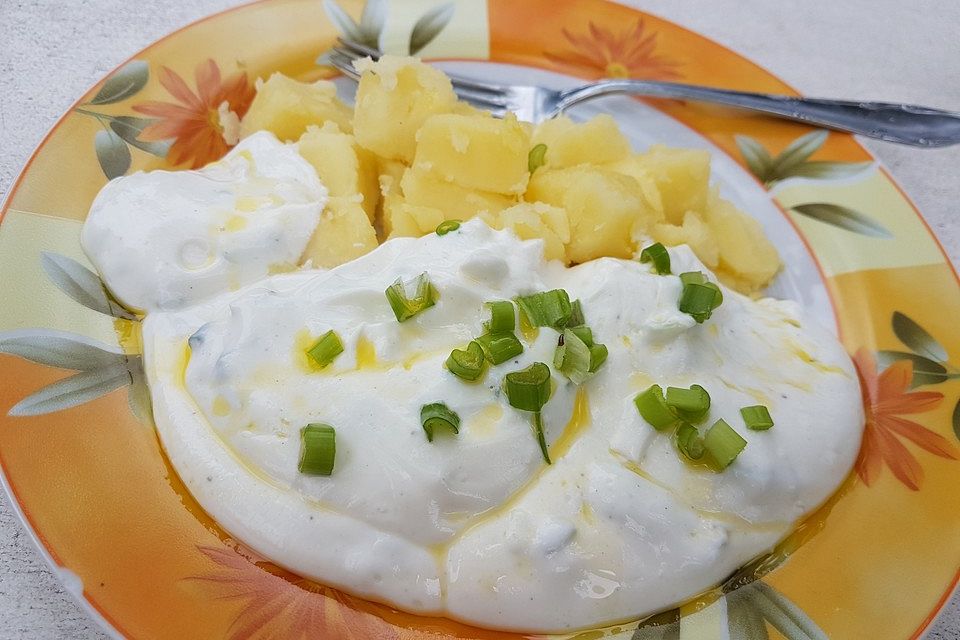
(682,177)
(475,152)
(532,220)
(596,141)
(633,166)
(411,220)
(695,233)
(344,167)
(391,171)
(395,96)
(287,107)
(602,206)
(747,259)
(343,233)
(426,189)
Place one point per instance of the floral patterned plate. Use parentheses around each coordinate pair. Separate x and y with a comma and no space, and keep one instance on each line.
(82,463)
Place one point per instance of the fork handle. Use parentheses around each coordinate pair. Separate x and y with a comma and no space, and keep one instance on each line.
(903,123)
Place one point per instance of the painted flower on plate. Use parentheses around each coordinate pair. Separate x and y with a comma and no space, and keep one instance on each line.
(887,398)
(202,124)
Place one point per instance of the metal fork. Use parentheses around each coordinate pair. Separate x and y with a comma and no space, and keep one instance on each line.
(901,123)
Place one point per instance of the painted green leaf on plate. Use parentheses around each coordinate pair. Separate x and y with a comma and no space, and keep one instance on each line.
(125,82)
(73,391)
(956,420)
(843,218)
(59,349)
(112,153)
(129,128)
(798,151)
(925,370)
(916,338)
(81,284)
(429,26)
(758,160)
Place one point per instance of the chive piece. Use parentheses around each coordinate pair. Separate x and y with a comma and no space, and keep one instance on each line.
(499,347)
(447,226)
(699,297)
(537,157)
(598,355)
(438,416)
(689,441)
(467,364)
(502,317)
(326,349)
(690,404)
(572,357)
(547,308)
(653,408)
(697,277)
(318,449)
(541,437)
(585,334)
(657,254)
(528,389)
(757,417)
(404,308)
(723,443)
(576,314)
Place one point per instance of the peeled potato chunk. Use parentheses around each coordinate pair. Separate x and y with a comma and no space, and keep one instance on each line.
(602,206)
(395,97)
(287,107)
(695,233)
(682,177)
(343,233)
(531,220)
(427,189)
(596,141)
(747,258)
(475,152)
(344,167)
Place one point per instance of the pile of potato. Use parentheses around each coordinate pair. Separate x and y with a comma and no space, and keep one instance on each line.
(412,156)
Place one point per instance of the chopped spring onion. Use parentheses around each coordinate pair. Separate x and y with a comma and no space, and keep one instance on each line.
(690,404)
(598,355)
(699,296)
(723,443)
(499,347)
(547,308)
(528,389)
(404,308)
(689,441)
(502,317)
(438,416)
(657,254)
(757,417)
(541,437)
(447,226)
(585,334)
(326,349)
(537,157)
(576,314)
(318,449)
(572,357)
(467,364)
(653,408)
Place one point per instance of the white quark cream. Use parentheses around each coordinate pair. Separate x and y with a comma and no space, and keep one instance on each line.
(473,526)
(167,239)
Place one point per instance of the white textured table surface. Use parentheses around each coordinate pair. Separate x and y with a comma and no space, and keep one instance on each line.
(52,51)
